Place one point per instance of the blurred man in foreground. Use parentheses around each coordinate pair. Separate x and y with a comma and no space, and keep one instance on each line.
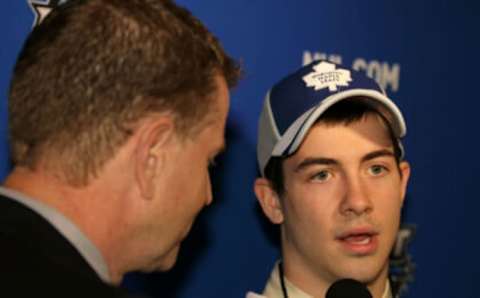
(116,109)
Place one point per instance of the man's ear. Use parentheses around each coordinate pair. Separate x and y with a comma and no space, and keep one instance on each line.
(405,175)
(154,136)
(269,200)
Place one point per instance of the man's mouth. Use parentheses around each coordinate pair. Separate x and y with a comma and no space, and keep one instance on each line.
(359,241)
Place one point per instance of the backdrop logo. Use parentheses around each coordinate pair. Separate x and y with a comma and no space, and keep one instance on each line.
(402,267)
(326,76)
(41,9)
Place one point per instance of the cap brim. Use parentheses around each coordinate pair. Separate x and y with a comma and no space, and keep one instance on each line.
(293,137)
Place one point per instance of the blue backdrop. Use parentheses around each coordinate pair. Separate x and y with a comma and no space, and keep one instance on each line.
(425,54)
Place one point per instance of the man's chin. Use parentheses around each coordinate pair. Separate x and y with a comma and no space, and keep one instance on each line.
(164,262)
(367,274)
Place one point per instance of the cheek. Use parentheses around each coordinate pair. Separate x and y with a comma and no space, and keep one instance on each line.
(307,223)
(310,210)
(315,200)
(387,209)
(199,186)
(388,195)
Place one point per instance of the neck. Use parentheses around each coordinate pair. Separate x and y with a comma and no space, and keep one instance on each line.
(316,284)
(286,286)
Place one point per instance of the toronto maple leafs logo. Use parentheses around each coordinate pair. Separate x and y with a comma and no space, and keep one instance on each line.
(326,76)
(41,9)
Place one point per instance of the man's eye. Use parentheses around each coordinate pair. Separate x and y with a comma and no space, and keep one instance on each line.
(377,170)
(322,176)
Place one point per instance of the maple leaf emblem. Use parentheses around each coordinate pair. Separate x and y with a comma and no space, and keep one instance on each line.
(41,9)
(326,76)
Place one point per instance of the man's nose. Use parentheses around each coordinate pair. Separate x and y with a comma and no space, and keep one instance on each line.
(208,190)
(356,198)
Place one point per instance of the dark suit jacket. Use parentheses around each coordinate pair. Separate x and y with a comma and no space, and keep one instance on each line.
(37,261)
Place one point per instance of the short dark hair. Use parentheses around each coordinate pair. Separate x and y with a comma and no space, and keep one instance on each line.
(94,68)
(345,112)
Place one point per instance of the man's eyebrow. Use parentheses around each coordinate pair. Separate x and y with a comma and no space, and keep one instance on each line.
(330,161)
(315,161)
(378,153)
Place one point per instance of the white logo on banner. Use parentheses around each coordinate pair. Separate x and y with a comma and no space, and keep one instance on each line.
(326,76)
(41,9)
(385,73)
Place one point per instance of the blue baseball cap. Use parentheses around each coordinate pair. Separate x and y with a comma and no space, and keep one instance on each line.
(293,105)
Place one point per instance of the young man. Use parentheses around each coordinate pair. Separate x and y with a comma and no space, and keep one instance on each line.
(333,178)
(115,106)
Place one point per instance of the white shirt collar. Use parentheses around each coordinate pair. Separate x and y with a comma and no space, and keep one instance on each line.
(273,289)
